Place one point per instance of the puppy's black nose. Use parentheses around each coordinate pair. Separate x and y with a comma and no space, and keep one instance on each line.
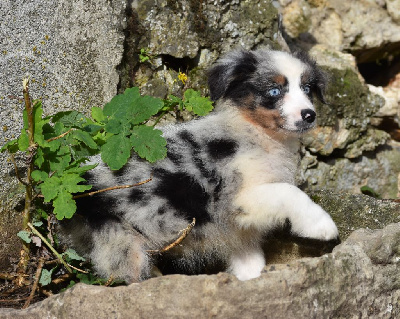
(308,115)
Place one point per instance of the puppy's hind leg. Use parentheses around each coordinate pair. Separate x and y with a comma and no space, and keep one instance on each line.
(120,252)
(269,205)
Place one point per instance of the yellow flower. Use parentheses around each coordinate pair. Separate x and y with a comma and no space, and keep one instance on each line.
(183,77)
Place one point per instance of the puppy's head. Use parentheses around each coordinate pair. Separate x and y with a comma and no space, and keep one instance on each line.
(272,89)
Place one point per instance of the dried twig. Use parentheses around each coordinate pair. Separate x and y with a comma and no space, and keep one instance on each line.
(109,281)
(183,235)
(5,276)
(62,279)
(60,136)
(112,188)
(16,170)
(13,300)
(77,269)
(45,292)
(35,284)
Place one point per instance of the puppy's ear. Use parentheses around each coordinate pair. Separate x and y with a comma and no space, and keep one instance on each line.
(318,76)
(217,78)
(322,80)
(230,72)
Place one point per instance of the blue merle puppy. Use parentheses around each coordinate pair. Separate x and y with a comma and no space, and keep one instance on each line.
(233,171)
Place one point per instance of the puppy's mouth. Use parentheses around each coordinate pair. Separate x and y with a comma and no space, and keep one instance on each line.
(299,127)
(302,126)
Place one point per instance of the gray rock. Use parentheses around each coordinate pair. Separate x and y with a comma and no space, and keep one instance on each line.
(190,36)
(345,152)
(359,279)
(352,211)
(367,29)
(70,50)
(377,169)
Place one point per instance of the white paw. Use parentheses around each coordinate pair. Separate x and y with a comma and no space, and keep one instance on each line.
(247,266)
(316,224)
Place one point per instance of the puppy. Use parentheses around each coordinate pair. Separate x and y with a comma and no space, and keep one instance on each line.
(233,171)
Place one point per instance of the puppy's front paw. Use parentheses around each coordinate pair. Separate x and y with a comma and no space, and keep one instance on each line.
(323,229)
(315,224)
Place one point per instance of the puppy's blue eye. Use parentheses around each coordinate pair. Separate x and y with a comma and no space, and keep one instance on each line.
(274,92)
(306,89)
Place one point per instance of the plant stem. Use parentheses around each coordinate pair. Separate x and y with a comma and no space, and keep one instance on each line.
(36,232)
(26,215)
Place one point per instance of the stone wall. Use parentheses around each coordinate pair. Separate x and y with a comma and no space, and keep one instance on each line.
(359,279)
(357,142)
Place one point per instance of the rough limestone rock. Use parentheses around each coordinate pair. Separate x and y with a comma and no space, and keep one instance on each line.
(368,29)
(344,150)
(359,279)
(188,36)
(71,51)
(79,52)
(377,170)
(349,211)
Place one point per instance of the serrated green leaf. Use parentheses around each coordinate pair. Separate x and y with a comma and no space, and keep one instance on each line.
(116,151)
(50,188)
(200,105)
(54,145)
(148,143)
(97,114)
(190,93)
(59,128)
(70,119)
(80,169)
(38,175)
(39,158)
(115,126)
(51,132)
(70,183)
(119,104)
(25,236)
(72,254)
(82,151)
(92,128)
(171,102)
(196,103)
(23,141)
(64,206)
(144,108)
(45,277)
(11,146)
(60,159)
(84,137)
(132,107)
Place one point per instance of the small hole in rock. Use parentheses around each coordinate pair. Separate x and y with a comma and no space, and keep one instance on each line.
(380,73)
(180,64)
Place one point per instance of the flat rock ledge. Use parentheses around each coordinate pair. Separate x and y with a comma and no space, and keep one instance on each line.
(359,279)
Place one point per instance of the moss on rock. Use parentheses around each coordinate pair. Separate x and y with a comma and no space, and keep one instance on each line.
(351,211)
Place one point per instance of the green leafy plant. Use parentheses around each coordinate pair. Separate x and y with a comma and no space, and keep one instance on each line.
(145,56)
(58,146)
